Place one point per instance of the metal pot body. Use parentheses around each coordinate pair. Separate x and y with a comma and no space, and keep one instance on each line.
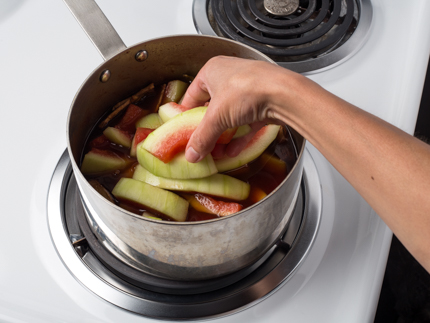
(184,251)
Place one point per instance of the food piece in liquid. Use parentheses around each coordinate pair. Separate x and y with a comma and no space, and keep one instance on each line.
(151,121)
(217,185)
(272,164)
(118,136)
(178,167)
(149,104)
(101,142)
(152,197)
(149,215)
(174,91)
(256,194)
(101,161)
(128,120)
(218,207)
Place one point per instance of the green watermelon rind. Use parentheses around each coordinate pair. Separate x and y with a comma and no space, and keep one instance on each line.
(178,167)
(155,198)
(162,134)
(150,121)
(216,185)
(251,152)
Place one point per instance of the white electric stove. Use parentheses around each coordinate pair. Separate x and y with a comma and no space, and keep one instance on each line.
(44,58)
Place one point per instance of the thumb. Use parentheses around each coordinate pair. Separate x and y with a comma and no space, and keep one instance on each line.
(203,139)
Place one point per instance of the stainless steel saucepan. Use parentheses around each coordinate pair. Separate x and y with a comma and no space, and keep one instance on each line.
(183,251)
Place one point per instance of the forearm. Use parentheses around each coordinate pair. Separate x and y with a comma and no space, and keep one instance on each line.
(388,167)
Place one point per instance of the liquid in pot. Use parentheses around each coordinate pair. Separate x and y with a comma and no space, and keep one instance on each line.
(263,174)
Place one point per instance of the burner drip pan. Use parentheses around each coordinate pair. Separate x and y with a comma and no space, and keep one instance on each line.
(154,283)
(141,293)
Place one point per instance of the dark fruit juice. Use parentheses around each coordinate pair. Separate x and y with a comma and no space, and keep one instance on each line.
(263,174)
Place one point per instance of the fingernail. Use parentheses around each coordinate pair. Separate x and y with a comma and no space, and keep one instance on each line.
(192,156)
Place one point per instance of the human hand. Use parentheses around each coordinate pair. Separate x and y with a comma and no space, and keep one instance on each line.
(239,92)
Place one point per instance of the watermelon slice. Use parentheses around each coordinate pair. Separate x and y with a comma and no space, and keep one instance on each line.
(151,121)
(196,204)
(217,207)
(118,136)
(226,136)
(261,140)
(217,185)
(101,161)
(169,110)
(201,205)
(151,197)
(174,91)
(172,137)
(139,136)
(178,167)
(132,114)
(242,131)
(100,142)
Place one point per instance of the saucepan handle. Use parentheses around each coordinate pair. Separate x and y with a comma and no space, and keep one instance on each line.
(97,27)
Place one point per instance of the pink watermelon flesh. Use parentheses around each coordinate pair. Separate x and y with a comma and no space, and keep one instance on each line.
(139,136)
(172,137)
(255,147)
(218,207)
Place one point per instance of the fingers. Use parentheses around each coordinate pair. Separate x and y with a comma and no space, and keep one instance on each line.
(199,91)
(219,151)
(196,95)
(237,97)
(203,139)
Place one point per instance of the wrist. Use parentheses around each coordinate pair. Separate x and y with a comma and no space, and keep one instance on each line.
(288,98)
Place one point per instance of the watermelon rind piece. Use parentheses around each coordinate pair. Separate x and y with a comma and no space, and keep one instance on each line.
(242,131)
(149,215)
(220,208)
(138,136)
(174,91)
(174,132)
(258,144)
(118,136)
(152,197)
(178,167)
(217,185)
(151,121)
(170,110)
(100,161)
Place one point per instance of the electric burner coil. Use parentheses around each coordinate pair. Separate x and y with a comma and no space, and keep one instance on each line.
(303,40)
